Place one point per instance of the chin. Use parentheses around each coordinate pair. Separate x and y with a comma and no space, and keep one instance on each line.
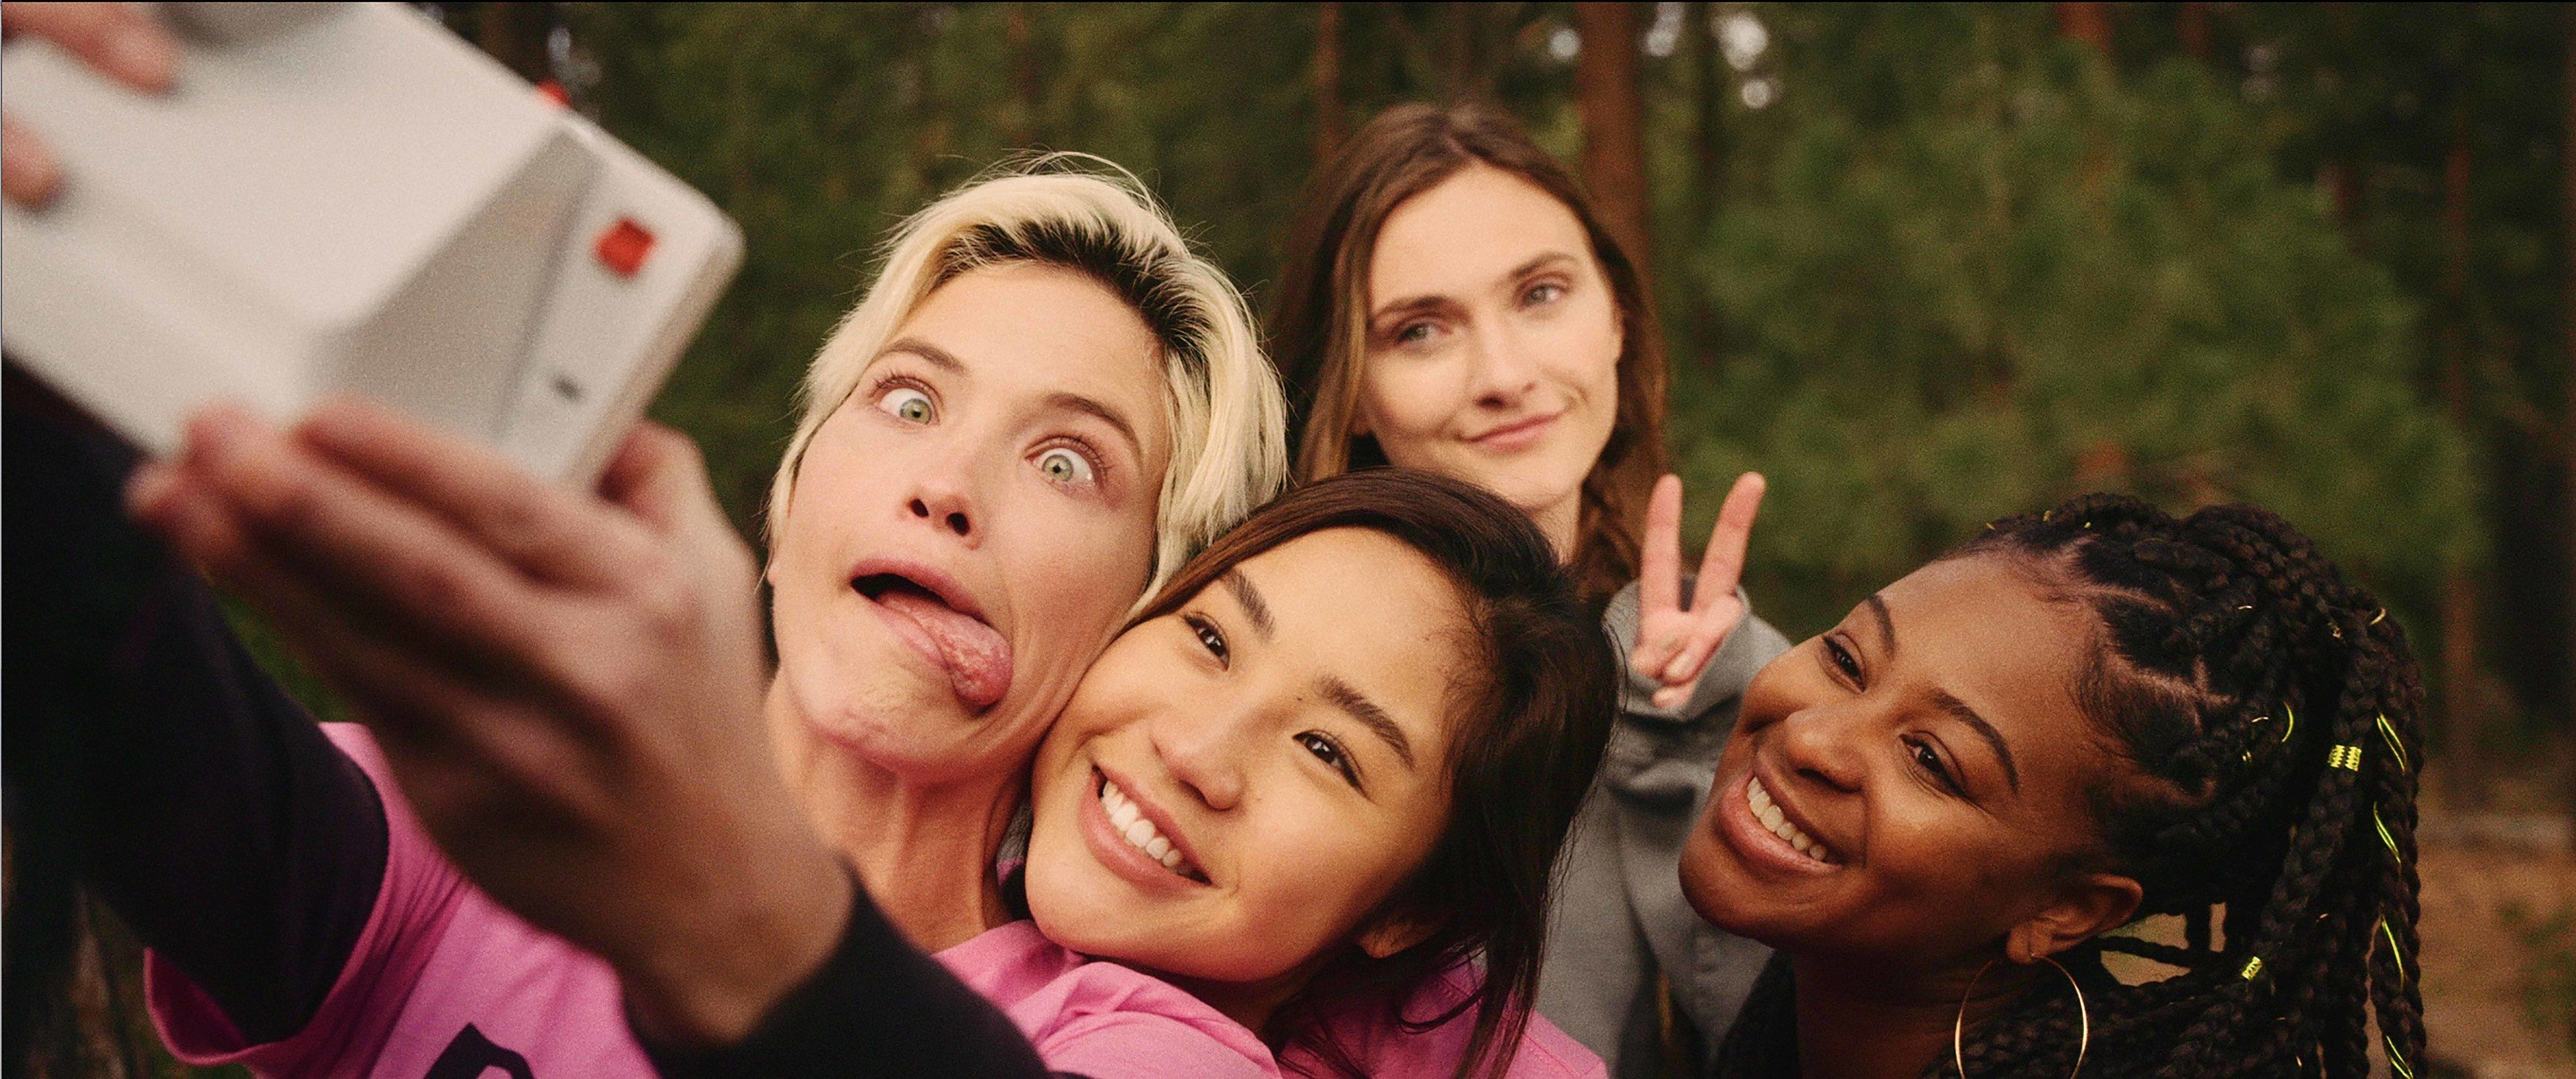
(892,717)
(1723,895)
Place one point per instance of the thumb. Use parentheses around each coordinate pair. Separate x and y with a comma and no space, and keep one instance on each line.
(659,475)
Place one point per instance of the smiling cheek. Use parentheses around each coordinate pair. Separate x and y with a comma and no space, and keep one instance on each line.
(1411,405)
(1270,909)
(1309,876)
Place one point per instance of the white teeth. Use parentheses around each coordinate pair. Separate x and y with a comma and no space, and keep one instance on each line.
(1140,832)
(1768,812)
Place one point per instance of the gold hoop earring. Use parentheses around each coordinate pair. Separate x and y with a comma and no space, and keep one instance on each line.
(2083,1015)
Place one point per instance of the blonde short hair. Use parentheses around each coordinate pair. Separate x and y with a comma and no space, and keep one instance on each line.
(1227,414)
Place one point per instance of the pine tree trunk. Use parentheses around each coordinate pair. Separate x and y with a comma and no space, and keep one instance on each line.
(2461,721)
(2567,314)
(1028,77)
(514,33)
(1614,115)
(2340,175)
(2191,23)
(1708,169)
(2089,23)
(1458,50)
(1327,74)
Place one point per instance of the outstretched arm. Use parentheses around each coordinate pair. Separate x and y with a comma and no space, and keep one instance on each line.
(152,759)
(568,688)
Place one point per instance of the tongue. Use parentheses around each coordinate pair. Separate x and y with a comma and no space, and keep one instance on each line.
(978,659)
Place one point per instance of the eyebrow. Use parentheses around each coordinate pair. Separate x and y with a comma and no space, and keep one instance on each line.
(931,354)
(1370,715)
(1886,625)
(1960,711)
(1074,402)
(1249,598)
(1416,303)
(947,361)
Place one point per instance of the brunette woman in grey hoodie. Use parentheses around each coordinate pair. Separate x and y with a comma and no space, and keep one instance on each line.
(1451,302)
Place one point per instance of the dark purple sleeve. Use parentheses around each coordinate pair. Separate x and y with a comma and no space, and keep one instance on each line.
(151,758)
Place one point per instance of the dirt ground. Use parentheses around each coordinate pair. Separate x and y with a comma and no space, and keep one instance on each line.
(2499,935)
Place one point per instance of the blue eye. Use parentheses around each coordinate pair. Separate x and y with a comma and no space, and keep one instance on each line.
(907,404)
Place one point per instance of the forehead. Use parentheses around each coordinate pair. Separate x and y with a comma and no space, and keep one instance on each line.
(1985,630)
(1031,328)
(1368,609)
(1466,232)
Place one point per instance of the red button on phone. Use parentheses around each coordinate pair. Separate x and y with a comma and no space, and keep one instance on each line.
(623,247)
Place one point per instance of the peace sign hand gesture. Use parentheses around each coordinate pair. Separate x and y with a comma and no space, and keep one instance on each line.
(1674,644)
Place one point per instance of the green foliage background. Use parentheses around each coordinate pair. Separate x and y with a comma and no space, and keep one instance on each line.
(1959,266)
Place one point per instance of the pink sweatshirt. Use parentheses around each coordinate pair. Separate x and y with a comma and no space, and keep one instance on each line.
(445,982)
(1101,1019)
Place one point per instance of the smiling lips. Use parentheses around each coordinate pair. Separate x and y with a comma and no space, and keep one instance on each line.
(1140,833)
(1518,434)
(1768,814)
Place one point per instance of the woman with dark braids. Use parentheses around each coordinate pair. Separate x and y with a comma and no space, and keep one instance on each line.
(1942,811)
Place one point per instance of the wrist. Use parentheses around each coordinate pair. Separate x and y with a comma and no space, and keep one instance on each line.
(711,985)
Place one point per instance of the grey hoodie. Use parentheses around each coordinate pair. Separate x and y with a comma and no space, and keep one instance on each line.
(1619,918)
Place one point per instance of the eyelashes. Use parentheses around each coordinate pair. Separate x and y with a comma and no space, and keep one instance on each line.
(1844,665)
(1209,637)
(1066,460)
(1325,749)
(1842,660)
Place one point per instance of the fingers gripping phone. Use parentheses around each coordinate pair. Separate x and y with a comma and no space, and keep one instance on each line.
(346,197)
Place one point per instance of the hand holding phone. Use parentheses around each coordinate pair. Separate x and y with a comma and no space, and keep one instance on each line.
(346,198)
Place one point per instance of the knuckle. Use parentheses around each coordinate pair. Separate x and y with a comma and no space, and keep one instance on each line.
(436,586)
(514,521)
(664,598)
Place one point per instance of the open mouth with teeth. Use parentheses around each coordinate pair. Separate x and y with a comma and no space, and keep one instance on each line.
(1140,832)
(1767,813)
(972,653)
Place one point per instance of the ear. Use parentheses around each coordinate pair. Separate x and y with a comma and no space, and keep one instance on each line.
(1359,423)
(2087,906)
(1393,933)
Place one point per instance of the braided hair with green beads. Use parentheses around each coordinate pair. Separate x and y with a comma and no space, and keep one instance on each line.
(2267,710)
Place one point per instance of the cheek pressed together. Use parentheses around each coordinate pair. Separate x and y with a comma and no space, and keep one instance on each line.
(1240,783)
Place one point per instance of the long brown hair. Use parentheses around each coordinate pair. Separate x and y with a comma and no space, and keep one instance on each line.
(1319,316)
(1522,751)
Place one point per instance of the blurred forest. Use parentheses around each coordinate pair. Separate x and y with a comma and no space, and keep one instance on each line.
(1923,266)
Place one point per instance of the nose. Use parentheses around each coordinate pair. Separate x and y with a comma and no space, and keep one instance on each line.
(1203,752)
(942,496)
(1503,371)
(1822,745)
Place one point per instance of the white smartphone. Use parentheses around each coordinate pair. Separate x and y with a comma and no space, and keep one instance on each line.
(346,197)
